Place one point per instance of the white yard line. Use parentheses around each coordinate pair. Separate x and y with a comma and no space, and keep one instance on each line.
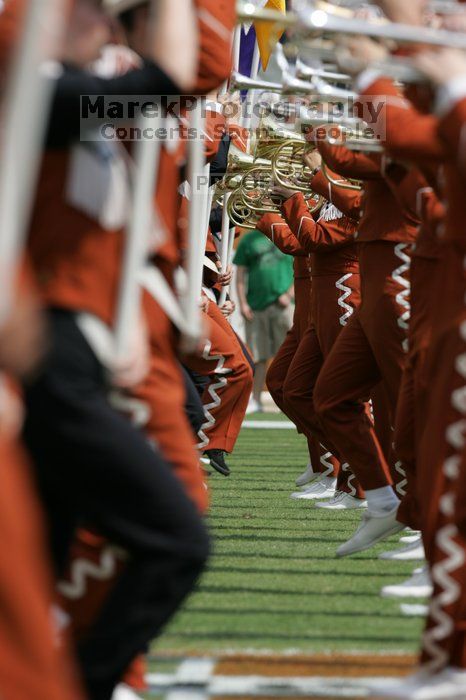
(191,681)
(269,424)
(183,686)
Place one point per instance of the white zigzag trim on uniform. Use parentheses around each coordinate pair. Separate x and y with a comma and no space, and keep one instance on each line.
(216,400)
(325,462)
(84,569)
(330,212)
(348,310)
(402,298)
(346,468)
(449,589)
(401,486)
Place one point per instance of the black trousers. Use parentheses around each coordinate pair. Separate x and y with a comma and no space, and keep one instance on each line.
(93,467)
(193,404)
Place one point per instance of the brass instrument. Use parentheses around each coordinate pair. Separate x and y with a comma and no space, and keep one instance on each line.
(304,72)
(313,22)
(440,7)
(240,82)
(246,211)
(238,164)
(240,214)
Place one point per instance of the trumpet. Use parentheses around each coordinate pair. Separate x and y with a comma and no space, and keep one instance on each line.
(321,21)
(304,72)
(438,7)
(240,82)
(318,89)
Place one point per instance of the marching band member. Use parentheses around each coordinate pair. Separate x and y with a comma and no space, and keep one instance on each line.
(113,478)
(330,242)
(281,363)
(371,348)
(157,404)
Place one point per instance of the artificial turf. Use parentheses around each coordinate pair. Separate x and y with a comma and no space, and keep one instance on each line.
(273,582)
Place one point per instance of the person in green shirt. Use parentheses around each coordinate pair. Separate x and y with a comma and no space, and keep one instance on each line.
(265,293)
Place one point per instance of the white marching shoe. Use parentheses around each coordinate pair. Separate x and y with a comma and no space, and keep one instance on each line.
(322,487)
(342,501)
(308,476)
(124,692)
(407,539)
(418,586)
(449,684)
(373,528)
(411,552)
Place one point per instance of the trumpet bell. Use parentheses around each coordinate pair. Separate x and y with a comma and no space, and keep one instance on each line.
(240,82)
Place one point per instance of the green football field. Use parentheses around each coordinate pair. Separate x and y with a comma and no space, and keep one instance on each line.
(273,581)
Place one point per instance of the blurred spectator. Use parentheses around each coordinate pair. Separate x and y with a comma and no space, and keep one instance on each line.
(266,295)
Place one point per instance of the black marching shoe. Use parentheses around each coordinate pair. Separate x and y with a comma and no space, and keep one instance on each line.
(217,461)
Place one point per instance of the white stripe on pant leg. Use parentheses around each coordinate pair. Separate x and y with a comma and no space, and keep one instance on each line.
(352,489)
(402,298)
(401,485)
(325,460)
(449,591)
(348,309)
(220,371)
(81,570)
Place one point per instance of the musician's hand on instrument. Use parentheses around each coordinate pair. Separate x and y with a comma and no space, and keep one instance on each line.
(441,66)
(231,107)
(358,53)
(412,12)
(228,308)
(225,278)
(454,23)
(247,312)
(313,160)
(285,192)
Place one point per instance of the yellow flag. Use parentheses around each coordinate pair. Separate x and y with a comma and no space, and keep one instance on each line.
(269,34)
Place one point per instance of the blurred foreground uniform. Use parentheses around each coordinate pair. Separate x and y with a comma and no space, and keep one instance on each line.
(442,451)
(92,466)
(157,405)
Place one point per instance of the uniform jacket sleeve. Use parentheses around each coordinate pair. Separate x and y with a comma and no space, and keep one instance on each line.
(406,132)
(350,164)
(217,20)
(315,237)
(278,231)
